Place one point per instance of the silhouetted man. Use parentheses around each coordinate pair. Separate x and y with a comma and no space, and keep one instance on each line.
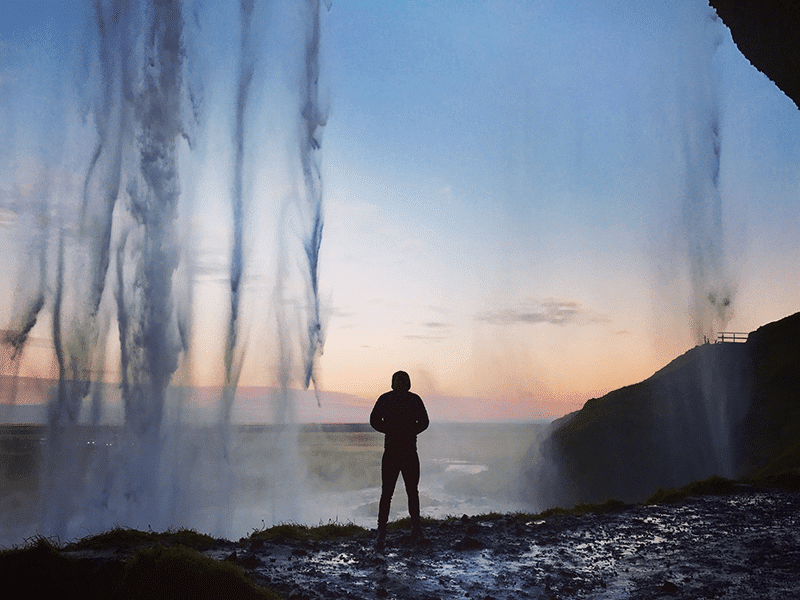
(400,415)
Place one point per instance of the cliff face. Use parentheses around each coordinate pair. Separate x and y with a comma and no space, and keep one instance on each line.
(720,409)
(771,437)
(767,32)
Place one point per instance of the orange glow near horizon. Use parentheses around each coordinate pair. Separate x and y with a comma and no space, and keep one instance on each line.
(489,378)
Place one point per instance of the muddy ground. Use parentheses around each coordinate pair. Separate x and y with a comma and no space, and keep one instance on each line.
(740,546)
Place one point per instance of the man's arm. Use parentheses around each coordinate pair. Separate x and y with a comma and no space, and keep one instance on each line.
(422,421)
(376,418)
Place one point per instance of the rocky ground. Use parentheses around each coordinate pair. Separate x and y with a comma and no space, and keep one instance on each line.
(738,546)
(733,546)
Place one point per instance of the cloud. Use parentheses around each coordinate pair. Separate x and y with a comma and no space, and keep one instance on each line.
(439,309)
(341,312)
(437,331)
(550,310)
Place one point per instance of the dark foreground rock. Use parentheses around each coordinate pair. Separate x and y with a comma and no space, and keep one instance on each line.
(745,545)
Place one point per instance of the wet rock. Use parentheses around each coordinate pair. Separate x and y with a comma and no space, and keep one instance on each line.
(251,561)
(705,547)
(256,544)
(669,588)
(469,543)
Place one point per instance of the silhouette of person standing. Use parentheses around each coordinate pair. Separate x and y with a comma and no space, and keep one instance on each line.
(400,415)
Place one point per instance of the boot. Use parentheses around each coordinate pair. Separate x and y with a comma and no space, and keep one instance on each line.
(417,537)
(380,543)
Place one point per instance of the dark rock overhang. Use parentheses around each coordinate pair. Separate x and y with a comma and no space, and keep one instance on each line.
(767,32)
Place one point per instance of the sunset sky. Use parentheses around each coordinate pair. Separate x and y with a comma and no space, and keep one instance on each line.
(504,190)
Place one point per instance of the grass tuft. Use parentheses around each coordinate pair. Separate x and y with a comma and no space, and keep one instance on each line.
(713,486)
(609,506)
(784,480)
(41,570)
(405,523)
(319,533)
(178,572)
(124,539)
(174,572)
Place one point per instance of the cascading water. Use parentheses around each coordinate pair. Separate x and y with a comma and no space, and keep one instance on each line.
(110,266)
(691,414)
(711,287)
(711,284)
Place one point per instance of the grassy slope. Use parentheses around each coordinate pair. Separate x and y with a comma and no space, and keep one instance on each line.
(136,564)
(659,433)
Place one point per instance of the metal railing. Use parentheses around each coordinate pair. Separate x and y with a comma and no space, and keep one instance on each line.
(731,336)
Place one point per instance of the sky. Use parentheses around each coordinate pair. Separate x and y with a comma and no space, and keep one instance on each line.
(510,191)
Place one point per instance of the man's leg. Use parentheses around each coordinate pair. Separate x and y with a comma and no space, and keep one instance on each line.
(390,469)
(410,471)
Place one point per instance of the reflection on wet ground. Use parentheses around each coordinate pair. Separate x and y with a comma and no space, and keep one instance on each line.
(743,546)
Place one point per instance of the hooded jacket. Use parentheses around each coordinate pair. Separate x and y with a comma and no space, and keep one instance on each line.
(400,415)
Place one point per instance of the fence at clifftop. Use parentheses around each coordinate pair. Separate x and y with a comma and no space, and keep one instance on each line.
(731,337)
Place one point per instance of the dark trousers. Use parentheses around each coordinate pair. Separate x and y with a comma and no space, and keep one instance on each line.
(395,462)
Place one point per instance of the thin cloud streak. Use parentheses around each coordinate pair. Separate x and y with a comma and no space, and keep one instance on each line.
(552,311)
(438,331)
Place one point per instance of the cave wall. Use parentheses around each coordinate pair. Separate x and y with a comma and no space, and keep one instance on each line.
(767,32)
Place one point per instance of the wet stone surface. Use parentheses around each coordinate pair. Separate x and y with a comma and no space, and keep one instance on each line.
(729,547)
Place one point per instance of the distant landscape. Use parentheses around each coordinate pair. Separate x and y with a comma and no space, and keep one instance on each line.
(728,409)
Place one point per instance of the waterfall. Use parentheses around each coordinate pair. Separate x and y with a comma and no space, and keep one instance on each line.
(114,261)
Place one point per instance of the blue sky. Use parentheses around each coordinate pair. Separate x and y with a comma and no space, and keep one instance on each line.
(504,186)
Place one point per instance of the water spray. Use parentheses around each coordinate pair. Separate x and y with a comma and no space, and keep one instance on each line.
(314,119)
(712,290)
(118,263)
